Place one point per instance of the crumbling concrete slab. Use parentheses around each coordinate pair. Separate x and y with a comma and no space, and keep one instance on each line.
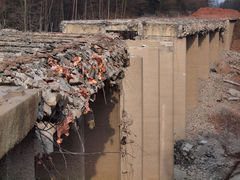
(18,115)
(175,27)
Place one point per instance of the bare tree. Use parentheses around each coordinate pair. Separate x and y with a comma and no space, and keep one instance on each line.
(85,10)
(25,15)
(108,9)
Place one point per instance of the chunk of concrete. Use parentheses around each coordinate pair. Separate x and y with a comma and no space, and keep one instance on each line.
(17,117)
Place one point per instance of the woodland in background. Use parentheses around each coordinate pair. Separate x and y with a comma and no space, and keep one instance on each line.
(46,15)
(231,4)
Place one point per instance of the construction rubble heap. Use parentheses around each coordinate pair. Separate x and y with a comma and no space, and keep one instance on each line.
(69,69)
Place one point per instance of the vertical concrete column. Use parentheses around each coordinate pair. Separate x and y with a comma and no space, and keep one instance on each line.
(192,72)
(179,87)
(153,130)
(214,46)
(203,54)
(228,34)
(150,112)
(132,103)
(166,97)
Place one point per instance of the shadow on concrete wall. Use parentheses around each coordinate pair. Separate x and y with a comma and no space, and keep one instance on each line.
(103,138)
(18,163)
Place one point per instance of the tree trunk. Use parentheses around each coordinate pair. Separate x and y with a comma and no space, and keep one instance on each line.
(108,9)
(25,15)
(123,1)
(85,10)
(41,17)
(116,9)
(73,9)
(99,9)
(76,10)
(125,8)
(62,10)
(91,3)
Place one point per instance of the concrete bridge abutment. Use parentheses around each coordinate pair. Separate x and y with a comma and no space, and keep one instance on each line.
(167,60)
(161,83)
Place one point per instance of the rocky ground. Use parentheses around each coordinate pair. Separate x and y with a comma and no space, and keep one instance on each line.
(212,146)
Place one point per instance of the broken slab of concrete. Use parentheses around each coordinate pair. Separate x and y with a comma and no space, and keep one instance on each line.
(177,27)
(18,115)
(65,66)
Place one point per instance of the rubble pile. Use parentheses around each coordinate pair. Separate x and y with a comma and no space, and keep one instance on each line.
(211,149)
(69,69)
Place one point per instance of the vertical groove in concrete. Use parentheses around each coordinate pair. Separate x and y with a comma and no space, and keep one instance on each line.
(180,50)
(192,72)
(159,109)
(166,111)
(203,54)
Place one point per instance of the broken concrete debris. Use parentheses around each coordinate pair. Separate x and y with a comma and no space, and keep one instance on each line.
(69,69)
(213,127)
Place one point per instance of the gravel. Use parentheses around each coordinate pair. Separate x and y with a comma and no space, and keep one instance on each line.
(212,129)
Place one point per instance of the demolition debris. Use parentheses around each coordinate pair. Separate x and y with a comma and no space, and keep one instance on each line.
(69,69)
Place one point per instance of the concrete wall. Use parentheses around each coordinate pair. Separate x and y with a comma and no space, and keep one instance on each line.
(148,101)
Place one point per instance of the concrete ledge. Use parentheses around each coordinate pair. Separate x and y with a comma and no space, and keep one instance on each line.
(174,27)
(17,117)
